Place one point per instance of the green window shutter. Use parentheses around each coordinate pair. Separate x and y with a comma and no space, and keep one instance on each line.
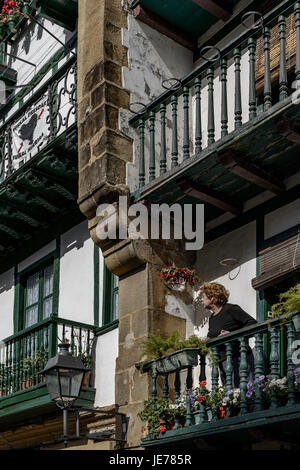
(110,297)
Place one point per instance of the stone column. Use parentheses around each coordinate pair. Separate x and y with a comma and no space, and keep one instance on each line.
(103,153)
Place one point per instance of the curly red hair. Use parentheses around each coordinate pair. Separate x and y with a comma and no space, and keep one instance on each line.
(215,292)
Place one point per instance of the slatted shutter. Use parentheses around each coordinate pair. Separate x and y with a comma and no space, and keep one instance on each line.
(276,262)
(275,53)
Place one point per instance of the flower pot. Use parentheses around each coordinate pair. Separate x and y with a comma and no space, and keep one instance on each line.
(178,286)
(176,361)
(12,24)
(3,31)
(296,321)
(26,10)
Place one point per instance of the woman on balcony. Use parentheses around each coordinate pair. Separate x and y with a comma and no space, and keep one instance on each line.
(226,318)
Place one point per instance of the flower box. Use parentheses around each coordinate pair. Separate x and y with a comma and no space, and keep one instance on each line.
(176,361)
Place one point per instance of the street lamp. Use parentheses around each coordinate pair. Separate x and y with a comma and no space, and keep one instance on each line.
(64,375)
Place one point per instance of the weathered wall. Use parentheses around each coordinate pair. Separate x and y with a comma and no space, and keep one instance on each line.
(106,354)
(282,219)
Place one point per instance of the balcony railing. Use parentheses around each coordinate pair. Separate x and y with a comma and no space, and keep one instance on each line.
(25,354)
(48,113)
(220,95)
(274,358)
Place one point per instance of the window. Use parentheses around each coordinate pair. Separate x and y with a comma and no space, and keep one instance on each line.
(110,297)
(38,295)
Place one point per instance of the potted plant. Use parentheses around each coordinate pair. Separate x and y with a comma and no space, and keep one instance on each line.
(172,353)
(288,305)
(26,8)
(11,10)
(159,416)
(3,27)
(177,278)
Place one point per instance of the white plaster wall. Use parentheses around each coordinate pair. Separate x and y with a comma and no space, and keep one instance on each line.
(152,58)
(101,285)
(282,219)
(38,255)
(240,244)
(106,355)
(7,292)
(76,284)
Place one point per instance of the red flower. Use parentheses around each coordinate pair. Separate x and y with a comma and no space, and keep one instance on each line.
(143,429)
(203,383)
(200,398)
(162,428)
(222,412)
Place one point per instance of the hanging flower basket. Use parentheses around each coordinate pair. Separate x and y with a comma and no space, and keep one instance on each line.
(3,30)
(10,14)
(177,278)
(176,361)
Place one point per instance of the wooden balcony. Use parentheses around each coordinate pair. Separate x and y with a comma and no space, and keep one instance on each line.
(38,169)
(228,131)
(23,391)
(255,418)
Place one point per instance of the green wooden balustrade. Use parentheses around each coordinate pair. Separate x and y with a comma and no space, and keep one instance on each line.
(183,104)
(265,363)
(25,354)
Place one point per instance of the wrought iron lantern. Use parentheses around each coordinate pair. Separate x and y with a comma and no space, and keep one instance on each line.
(64,375)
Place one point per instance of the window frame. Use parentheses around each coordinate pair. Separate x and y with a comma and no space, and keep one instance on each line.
(109,290)
(21,289)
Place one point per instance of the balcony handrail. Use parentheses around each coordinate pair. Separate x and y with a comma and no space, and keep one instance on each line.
(187,80)
(248,331)
(53,319)
(38,93)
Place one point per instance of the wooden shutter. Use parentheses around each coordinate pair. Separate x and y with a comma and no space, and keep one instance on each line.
(276,262)
(275,53)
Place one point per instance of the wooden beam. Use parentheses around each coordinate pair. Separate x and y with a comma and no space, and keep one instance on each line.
(223,12)
(164,27)
(290,130)
(209,195)
(250,172)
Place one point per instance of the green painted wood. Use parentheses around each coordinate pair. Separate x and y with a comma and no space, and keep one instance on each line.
(107,328)
(283,83)
(211,112)
(229,371)
(259,369)
(237,91)
(224,103)
(290,364)
(243,374)
(267,70)
(202,375)
(274,362)
(214,380)
(166,387)
(198,124)
(186,124)
(297,25)
(189,387)
(177,387)
(152,146)
(174,102)
(154,385)
(163,146)
(142,153)
(252,89)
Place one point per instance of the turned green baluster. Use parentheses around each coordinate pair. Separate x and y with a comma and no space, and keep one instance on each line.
(177,385)
(283,83)
(252,90)
(163,154)
(238,94)
(154,384)
(174,161)
(267,83)
(198,133)
(14,367)
(142,153)
(189,386)
(274,363)
(152,146)
(290,364)
(211,112)
(243,374)
(166,387)
(72,340)
(80,343)
(229,370)
(297,21)
(259,370)
(214,381)
(224,104)
(186,124)
(203,411)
